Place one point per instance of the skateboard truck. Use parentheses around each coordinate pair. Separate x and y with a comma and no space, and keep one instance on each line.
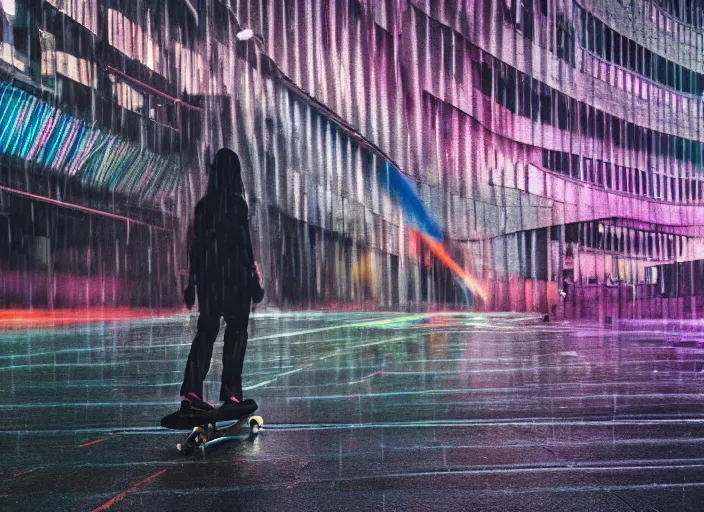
(203,436)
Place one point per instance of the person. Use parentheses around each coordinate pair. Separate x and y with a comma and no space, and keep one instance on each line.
(227,279)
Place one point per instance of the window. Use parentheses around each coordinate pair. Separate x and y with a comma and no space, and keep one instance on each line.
(671,82)
(588,170)
(687,81)
(636,182)
(616,131)
(590,33)
(47,45)
(583,121)
(133,40)
(84,12)
(607,170)
(128,97)
(565,164)
(617,49)
(617,176)
(523,15)
(511,88)
(545,104)
(565,42)
(486,79)
(607,43)
(575,167)
(637,136)
(679,148)
(600,173)
(561,111)
(661,69)
(600,125)
(608,238)
(573,115)
(630,135)
(648,63)
(632,51)
(524,95)
(650,244)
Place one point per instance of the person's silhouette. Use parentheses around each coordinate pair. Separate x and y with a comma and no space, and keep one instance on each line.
(222,270)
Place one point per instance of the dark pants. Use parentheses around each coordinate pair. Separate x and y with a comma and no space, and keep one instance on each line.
(235,309)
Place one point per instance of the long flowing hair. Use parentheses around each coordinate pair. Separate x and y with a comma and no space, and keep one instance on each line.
(226,185)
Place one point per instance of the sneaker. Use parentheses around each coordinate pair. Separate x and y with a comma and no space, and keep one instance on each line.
(234,409)
(192,402)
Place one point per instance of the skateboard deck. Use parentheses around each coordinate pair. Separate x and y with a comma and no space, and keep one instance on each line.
(202,424)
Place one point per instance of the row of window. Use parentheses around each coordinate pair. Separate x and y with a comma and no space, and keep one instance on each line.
(84,12)
(530,98)
(134,41)
(603,41)
(636,243)
(688,11)
(622,178)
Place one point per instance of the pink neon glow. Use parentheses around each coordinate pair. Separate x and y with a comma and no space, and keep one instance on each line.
(25,318)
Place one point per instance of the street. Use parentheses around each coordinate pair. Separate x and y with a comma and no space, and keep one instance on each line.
(362,411)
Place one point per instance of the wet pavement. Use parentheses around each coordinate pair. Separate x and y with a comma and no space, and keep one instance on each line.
(363,411)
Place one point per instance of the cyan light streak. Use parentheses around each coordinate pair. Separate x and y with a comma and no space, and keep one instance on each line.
(35,131)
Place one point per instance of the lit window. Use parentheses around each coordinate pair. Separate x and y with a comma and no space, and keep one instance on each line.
(47,44)
(84,12)
(134,41)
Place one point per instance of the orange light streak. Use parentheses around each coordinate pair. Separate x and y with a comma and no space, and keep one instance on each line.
(33,318)
(438,249)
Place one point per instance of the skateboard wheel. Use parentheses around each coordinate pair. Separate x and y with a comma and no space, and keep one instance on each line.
(179,446)
(255,423)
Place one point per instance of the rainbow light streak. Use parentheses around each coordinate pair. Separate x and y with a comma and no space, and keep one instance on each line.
(33,130)
(438,249)
(404,192)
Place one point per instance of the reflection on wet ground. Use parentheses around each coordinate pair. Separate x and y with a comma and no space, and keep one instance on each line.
(387,411)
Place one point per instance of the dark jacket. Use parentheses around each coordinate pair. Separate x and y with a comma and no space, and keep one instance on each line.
(221,256)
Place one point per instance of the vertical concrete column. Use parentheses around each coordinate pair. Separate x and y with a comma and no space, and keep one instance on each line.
(534,267)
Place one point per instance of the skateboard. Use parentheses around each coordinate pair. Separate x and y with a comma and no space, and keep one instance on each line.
(203,425)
